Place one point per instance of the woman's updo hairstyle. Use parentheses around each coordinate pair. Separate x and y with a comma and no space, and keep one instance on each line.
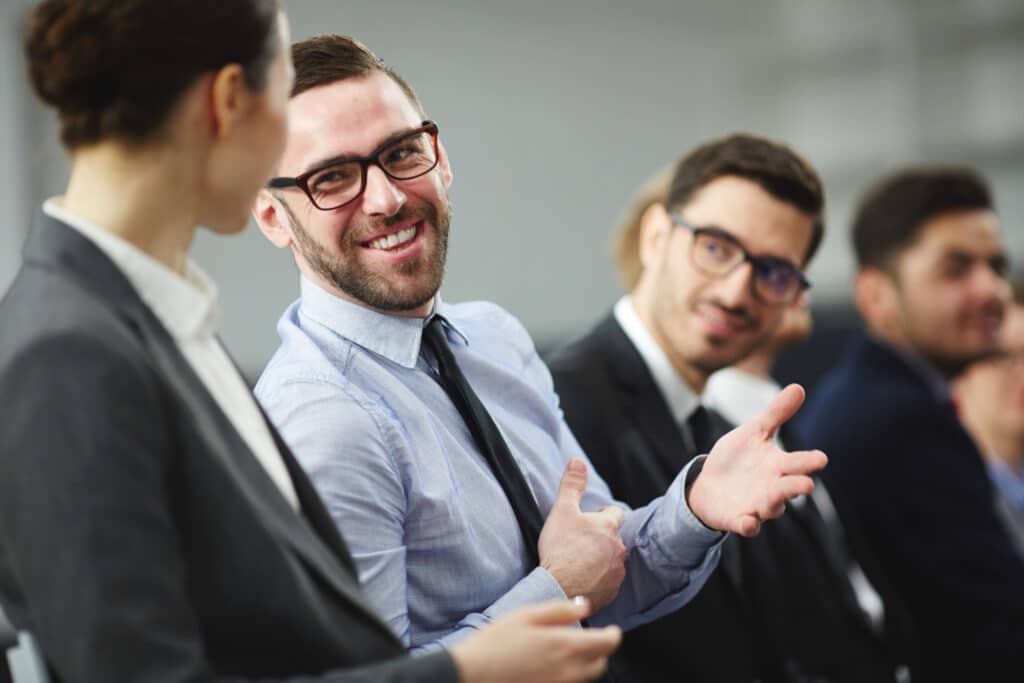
(115,68)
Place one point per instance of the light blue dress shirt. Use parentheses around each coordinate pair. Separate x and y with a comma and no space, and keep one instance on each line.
(435,540)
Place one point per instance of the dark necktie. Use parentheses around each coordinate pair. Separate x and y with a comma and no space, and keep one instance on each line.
(488,438)
(698,432)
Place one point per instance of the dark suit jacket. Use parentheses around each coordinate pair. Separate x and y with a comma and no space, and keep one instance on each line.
(140,539)
(776,609)
(919,488)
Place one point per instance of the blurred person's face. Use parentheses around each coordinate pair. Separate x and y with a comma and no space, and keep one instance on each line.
(947,295)
(704,322)
(250,147)
(991,391)
(386,249)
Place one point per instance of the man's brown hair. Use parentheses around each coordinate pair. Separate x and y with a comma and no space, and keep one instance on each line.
(777,168)
(893,210)
(325,59)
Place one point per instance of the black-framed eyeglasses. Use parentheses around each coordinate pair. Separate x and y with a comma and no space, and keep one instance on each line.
(339,181)
(717,253)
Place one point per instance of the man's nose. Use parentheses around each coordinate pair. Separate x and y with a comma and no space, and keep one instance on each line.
(381,196)
(990,284)
(733,289)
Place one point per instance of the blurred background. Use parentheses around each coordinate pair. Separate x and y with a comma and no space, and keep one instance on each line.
(554,111)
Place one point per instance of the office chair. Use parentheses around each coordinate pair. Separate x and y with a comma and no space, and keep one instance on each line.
(24,660)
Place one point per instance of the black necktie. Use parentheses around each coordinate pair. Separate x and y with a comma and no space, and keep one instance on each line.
(488,438)
(699,427)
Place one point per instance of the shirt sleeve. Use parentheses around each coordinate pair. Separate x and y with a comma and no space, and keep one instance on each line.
(671,553)
(347,447)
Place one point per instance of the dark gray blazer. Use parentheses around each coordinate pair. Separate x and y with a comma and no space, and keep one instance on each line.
(140,539)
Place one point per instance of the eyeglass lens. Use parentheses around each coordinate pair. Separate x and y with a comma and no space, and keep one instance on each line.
(774,280)
(406,158)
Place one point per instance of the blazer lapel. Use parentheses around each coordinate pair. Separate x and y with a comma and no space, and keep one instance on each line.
(644,409)
(253,481)
(647,416)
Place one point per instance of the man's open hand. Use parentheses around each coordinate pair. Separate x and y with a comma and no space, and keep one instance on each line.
(747,479)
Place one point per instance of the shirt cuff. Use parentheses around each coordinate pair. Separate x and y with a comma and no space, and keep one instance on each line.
(673,532)
(536,587)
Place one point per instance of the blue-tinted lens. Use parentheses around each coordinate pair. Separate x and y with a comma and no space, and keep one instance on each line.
(775,280)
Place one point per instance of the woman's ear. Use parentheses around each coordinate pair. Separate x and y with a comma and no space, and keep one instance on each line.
(230,99)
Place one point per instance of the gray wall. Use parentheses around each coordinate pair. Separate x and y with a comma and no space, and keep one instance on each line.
(553,111)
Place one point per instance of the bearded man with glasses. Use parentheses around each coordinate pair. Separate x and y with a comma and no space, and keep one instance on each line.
(430,429)
(721,243)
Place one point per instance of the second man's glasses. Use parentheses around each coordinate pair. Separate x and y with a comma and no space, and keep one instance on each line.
(340,181)
(716,252)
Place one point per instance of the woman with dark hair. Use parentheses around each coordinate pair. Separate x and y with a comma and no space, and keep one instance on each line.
(153,526)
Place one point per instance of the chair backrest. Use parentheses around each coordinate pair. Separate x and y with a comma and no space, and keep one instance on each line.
(24,660)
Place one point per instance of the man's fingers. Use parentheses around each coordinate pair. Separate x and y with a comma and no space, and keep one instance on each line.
(747,526)
(596,642)
(803,462)
(783,406)
(614,515)
(557,612)
(573,484)
(593,670)
(789,487)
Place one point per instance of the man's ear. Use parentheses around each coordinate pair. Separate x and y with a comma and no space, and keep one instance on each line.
(442,163)
(655,228)
(876,296)
(269,215)
(230,99)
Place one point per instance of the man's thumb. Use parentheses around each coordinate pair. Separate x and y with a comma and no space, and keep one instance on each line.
(573,484)
(783,406)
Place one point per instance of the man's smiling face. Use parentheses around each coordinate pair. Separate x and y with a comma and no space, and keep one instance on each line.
(386,249)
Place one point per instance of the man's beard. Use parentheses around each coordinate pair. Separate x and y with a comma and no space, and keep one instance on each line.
(374,289)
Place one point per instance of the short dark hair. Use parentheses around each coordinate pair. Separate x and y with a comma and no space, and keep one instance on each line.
(892,211)
(777,168)
(115,68)
(325,59)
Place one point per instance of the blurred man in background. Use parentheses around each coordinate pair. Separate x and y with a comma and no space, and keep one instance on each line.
(990,398)
(932,290)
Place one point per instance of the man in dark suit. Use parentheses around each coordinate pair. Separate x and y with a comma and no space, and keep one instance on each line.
(720,255)
(931,289)
(141,540)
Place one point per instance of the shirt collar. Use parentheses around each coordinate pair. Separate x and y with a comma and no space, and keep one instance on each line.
(187,306)
(738,395)
(681,399)
(394,337)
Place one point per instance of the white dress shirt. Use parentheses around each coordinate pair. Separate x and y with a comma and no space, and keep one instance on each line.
(187,307)
(681,399)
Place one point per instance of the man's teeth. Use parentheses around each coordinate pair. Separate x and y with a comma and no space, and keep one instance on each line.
(393,240)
